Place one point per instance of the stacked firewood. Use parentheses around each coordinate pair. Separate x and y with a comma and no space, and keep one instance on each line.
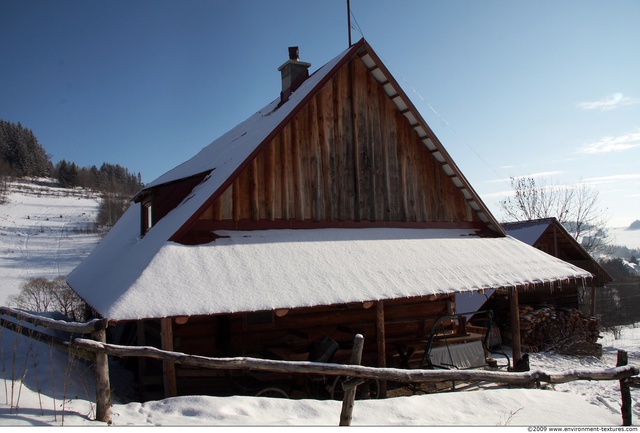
(563,330)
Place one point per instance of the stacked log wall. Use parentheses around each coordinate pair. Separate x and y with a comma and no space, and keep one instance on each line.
(295,332)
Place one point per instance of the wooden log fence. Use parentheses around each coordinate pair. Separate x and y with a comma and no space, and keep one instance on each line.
(622,372)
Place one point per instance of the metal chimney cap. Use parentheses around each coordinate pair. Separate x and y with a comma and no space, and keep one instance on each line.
(294,53)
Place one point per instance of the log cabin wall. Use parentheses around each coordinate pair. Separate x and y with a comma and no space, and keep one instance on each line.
(348,155)
(264,334)
(242,334)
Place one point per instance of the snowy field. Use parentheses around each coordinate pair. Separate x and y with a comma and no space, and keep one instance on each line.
(44,232)
(622,236)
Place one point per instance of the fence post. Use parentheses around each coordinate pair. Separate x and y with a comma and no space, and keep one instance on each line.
(350,386)
(103,387)
(625,392)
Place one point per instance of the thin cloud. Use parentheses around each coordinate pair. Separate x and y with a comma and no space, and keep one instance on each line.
(616,143)
(612,178)
(540,174)
(609,103)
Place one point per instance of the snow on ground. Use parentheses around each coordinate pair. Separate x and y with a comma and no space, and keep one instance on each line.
(44,232)
(60,392)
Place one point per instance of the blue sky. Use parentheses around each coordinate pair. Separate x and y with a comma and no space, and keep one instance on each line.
(546,89)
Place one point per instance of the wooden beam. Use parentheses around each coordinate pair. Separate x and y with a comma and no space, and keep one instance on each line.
(381,342)
(331,369)
(625,392)
(515,324)
(168,367)
(103,387)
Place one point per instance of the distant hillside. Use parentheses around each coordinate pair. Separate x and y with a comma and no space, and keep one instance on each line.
(634,225)
(21,155)
(45,231)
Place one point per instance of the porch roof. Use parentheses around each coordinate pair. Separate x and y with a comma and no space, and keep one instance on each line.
(279,269)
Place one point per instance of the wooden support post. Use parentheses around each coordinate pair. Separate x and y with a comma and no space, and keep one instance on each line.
(103,387)
(382,347)
(350,391)
(625,392)
(168,367)
(515,324)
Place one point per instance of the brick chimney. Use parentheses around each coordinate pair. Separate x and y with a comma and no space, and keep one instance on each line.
(293,72)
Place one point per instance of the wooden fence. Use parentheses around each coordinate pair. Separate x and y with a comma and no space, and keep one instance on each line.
(101,350)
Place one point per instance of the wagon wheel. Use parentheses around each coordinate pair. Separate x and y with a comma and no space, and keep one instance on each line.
(272,392)
(370,389)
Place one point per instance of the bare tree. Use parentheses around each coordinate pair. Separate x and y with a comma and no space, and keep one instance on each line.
(42,295)
(576,207)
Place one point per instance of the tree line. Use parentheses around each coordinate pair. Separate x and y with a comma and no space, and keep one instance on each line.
(21,155)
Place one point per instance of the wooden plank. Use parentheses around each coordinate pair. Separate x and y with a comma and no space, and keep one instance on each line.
(270,180)
(326,121)
(298,180)
(381,344)
(226,204)
(316,182)
(254,191)
(514,313)
(388,168)
(287,174)
(372,145)
(356,145)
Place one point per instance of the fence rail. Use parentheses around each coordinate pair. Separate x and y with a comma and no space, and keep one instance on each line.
(624,373)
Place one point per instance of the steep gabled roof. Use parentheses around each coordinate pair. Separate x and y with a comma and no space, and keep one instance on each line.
(533,232)
(225,158)
(130,277)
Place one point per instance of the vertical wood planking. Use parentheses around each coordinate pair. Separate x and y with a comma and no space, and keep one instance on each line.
(287,171)
(298,181)
(348,155)
(254,191)
(327,150)
(316,184)
(355,139)
(270,174)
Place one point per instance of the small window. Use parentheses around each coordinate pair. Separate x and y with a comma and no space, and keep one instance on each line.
(147,217)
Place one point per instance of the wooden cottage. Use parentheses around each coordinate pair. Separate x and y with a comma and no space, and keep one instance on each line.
(570,304)
(548,235)
(332,211)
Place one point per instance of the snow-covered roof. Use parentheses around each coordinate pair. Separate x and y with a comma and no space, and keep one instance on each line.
(527,231)
(228,151)
(273,269)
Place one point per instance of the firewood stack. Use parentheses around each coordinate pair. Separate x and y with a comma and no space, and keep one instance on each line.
(562,330)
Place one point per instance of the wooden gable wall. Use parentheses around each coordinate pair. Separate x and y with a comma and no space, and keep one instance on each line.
(322,168)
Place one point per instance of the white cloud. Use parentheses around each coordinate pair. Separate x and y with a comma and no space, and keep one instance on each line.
(615,143)
(540,174)
(613,178)
(609,103)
